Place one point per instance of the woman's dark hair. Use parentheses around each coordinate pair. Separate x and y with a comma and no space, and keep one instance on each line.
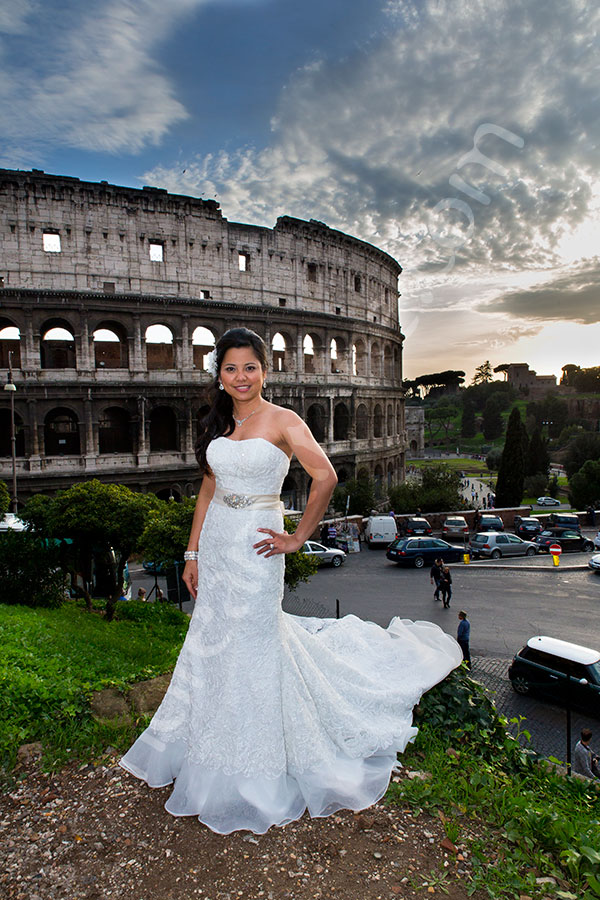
(219,419)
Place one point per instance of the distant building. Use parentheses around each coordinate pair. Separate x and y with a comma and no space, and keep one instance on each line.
(415,430)
(528,382)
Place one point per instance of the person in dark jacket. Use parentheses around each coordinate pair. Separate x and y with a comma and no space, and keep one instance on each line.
(463,636)
(446,586)
(435,573)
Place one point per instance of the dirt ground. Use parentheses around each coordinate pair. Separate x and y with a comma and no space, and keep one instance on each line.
(92,832)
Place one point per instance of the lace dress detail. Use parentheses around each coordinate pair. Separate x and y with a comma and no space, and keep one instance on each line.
(267,713)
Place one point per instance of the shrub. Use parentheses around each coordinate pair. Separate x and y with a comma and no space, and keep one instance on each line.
(535,485)
(29,573)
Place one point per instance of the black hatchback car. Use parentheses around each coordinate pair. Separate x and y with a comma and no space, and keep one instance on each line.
(527,527)
(415,525)
(421,551)
(489,522)
(542,666)
(568,539)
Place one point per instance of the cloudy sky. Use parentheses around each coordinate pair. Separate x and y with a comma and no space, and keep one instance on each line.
(462,136)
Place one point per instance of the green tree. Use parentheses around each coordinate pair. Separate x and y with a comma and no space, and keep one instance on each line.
(511,474)
(362,497)
(537,459)
(587,380)
(584,485)
(492,423)
(4,499)
(493,458)
(438,490)
(103,521)
(483,373)
(468,426)
(30,571)
(551,412)
(585,446)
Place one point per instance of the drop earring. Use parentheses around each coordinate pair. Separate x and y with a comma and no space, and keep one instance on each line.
(221,388)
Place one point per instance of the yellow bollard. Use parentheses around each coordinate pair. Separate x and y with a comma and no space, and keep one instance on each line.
(466,558)
(555,550)
(555,559)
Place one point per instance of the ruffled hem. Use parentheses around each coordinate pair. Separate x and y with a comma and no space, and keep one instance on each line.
(227,803)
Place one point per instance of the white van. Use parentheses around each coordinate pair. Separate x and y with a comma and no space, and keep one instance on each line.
(380,530)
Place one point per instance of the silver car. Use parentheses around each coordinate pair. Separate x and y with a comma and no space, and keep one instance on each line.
(494,545)
(330,555)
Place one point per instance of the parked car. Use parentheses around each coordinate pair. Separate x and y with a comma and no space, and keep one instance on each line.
(153,568)
(564,520)
(455,526)
(415,525)
(422,551)
(597,541)
(489,522)
(542,665)
(594,563)
(548,501)
(569,540)
(323,554)
(494,545)
(380,530)
(527,526)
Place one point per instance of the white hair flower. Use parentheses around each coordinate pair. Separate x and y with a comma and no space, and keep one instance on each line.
(211,362)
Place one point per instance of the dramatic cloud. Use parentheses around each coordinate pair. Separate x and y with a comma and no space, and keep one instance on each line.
(573,295)
(84,76)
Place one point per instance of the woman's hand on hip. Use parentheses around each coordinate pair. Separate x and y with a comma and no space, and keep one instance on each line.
(276,542)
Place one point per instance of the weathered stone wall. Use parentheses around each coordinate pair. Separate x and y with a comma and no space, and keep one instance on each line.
(128,410)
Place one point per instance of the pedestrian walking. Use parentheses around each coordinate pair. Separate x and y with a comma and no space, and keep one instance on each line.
(463,636)
(446,586)
(435,574)
(585,761)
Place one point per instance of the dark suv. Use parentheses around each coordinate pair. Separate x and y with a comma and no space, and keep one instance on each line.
(415,525)
(542,666)
(564,520)
(489,522)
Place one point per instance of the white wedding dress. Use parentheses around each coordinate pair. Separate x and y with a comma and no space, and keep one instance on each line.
(268,714)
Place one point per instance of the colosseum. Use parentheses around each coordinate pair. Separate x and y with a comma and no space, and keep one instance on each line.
(111,299)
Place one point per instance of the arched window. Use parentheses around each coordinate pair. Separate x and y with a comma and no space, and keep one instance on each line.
(390,420)
(341,422)
(110,347)
(203,342)
(342,476)
(5,434)
(279,348)
(114,431)
(388,363)
(378,422)
(397,365)
(10,343)
(159,347)
(309,354)
(359,358)
(163,429)
(375,360)
(398,419)
(170,493)
(362,422)
(333,355)
(316,421)
(58,348)
(61,433)
(289,492)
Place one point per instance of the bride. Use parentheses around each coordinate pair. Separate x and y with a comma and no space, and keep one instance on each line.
(269,714)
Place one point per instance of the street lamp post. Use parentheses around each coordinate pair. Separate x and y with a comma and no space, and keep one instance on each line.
(11,388)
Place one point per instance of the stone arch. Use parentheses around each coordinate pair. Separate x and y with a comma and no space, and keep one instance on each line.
(57,349)
(316,419)
(341,422)
(111,350)
(281,349)
(6,432)
(114,431)
(397,364)
(398,419)
(362,422)
(388,363)
(363,474)
(359,358)
(164,432)
(289,492)
(61,433)
(169,493)
(10,343)
(414,448)
(376,359)
(390,420)
(378,421)
(313,353)
(160,349)
(203,341)
(342,476)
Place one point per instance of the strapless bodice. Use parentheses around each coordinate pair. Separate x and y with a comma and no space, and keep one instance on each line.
(251,466)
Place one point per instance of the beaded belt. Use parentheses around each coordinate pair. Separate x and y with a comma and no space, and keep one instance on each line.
(247,501)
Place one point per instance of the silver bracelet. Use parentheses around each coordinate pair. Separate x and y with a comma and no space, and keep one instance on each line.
(190,555)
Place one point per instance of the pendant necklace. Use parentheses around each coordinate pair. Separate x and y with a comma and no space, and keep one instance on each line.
(239,422)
